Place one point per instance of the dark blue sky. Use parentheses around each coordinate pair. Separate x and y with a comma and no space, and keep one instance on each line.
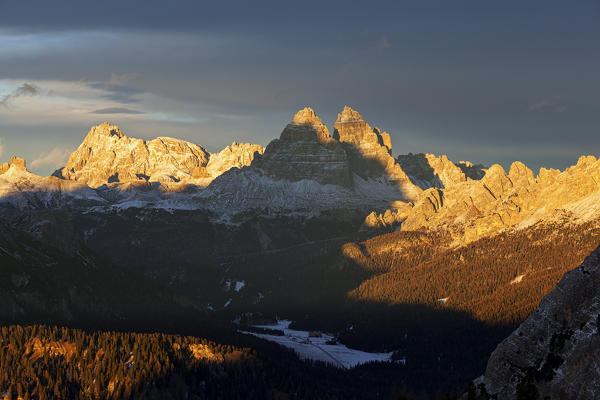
(478,80)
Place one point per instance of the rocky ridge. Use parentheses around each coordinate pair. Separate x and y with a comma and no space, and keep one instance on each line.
(107,155)
(477,208)
(429,170)
(306,151)
(556,351)
(307,170)
(369,151)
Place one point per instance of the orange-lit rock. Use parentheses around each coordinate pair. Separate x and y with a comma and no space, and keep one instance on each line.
(107,155)
(306,151)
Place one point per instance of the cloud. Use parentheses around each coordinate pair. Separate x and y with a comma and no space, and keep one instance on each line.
(56,157)
(25,90)
(1,147)
(116,110)
(121,79)
(117,92)
(555,105)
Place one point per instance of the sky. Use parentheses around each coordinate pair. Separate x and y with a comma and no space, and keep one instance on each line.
(486,81)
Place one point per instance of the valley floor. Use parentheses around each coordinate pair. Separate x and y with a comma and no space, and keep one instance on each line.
(319,346)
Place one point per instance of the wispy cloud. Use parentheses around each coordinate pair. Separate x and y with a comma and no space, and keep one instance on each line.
(556,105)
(56,157)
(121,79)
(116,110)
(116,89)
(25,90)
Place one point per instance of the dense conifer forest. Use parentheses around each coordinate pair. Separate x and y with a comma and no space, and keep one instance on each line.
(499,279)
(47,362)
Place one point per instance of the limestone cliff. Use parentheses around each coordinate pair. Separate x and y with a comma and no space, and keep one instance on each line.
(369,151)
(429,170)
(16,163)
(500,200)
(555,353)
(107,155)
(237,155)
(306,151)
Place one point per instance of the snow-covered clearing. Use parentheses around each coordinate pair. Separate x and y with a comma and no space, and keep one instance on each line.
(315,348)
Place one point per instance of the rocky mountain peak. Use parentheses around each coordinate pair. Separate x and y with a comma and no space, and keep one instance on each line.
(306,125)
(351,128)
(106,129)
(107,155)
(306,151)
(369,151)
(236,155)
(585,161)
(18,163)
(306,116)
(429,170)
(349,115)
(520,175)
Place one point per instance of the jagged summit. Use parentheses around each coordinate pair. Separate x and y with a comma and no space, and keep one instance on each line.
(478,208)
(15,164)
(520,174)
(369,151)
(348,115)
(18,162)
(306,116)
(106,129)
(306,125)
(107,155)
(429,170)
(306,151)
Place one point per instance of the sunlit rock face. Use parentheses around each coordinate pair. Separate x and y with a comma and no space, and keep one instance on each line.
(107,155)
(16,163)
(429,170)
(306,151)
(500,200)
(369,151)
(237,155)
(555,352)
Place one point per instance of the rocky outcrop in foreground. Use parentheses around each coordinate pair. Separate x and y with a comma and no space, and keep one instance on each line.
(555,353)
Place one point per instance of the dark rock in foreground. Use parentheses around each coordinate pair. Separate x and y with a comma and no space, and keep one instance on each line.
(555,353)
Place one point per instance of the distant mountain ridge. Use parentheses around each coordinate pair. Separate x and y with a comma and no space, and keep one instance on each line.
(107,155)
(307,170)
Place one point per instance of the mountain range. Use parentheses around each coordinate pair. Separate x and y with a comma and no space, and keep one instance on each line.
(433,260)
(306,171)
